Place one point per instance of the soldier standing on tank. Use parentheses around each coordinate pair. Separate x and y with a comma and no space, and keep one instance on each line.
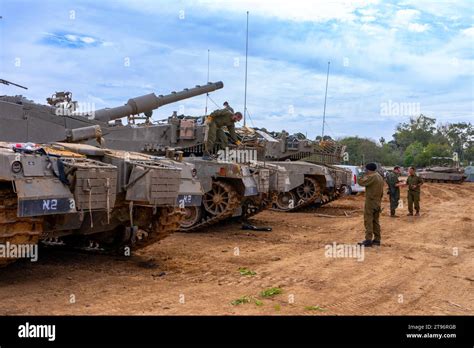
(394,189)
(374,184)
(228,107)
(414,183)
(215,122)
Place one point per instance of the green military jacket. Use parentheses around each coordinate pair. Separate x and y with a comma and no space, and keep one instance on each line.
(392,180)
(223,118)
(373,189)
(414,180)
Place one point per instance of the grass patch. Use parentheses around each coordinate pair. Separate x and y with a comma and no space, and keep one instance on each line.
(246,272)
(241,300)
(271,292)
(314,308)
(246,299)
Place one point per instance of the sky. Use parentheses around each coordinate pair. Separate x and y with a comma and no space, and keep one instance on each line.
(389,60)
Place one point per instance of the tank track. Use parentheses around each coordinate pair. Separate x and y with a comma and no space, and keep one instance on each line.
(13,229)
(460,181)
(166,224)
(301,203)
(255,206)
(207,217)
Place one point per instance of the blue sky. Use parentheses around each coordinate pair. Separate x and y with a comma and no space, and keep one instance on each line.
(412,55)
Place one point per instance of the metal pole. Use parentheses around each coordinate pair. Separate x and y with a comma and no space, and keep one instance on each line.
(325,98)
(207,94)
(246,59)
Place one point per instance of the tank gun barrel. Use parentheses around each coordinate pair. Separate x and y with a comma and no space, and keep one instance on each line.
(149,102)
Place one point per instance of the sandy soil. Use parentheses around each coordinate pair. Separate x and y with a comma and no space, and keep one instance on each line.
(425,266)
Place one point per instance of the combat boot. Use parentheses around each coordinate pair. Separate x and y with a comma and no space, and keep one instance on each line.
(366,243)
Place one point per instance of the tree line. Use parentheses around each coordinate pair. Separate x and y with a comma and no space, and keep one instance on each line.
(415,143)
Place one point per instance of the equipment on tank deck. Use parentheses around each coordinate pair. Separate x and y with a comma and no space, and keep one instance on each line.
(443,169)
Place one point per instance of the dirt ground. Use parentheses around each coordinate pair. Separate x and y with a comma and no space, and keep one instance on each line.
(424,266)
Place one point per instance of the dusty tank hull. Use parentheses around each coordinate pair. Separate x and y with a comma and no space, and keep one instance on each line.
(232,190)
(443,174)
(83,196)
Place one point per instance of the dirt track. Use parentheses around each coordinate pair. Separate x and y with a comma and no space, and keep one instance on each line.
(414,272)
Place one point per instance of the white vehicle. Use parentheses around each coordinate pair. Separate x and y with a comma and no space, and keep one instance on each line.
(355,187)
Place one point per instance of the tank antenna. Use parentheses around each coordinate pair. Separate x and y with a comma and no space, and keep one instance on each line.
(246,61)
(207,94)
(325,98)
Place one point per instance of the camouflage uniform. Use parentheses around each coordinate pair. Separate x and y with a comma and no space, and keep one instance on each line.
(373,200)
(229,108)
(414,193)
(216,120)
(394,191)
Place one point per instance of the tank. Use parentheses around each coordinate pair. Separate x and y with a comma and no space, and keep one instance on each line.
(251,185)
(314,178)
(22,120)
(443,169)
(232,190)
(78,195)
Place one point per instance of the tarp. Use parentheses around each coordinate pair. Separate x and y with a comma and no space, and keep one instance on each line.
(469,172)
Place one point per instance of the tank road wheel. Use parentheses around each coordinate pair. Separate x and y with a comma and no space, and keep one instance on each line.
(219,199)
(192,217)
(286,200)
(309,191)
(15,230)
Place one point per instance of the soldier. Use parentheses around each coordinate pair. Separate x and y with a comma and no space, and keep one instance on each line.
(394,189)
(215,121)
(414,183)
(228,107)
(373,183)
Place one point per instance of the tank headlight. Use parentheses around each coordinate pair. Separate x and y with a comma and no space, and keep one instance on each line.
(194,172)
(17,167)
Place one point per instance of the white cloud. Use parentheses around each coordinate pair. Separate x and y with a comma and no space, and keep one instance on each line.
(468,32)
(87,39)
(418,28)
(406,19)
(294,10)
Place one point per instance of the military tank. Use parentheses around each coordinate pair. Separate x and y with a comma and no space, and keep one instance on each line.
(232,190)
(249,185)
(443,170)
(84,196)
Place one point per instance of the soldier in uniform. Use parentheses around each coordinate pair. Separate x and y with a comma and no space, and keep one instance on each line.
(414,183)
(374,184)
(228,107)
(215,122)
(394,189)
